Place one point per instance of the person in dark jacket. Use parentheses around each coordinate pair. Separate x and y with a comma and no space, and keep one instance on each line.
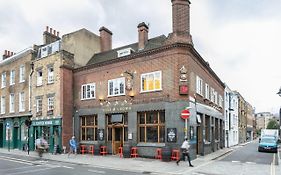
(185,152)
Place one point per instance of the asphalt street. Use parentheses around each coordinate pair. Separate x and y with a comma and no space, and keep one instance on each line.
(249,154)
(15,165)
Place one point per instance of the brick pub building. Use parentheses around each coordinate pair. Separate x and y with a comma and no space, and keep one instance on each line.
(135,94)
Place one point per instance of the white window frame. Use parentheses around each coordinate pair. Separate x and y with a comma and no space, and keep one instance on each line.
(22,74)
(3,105)
(199,85)
(50,75)
(207,91)
(21,102)
(12,77)
(216,97)
(220,101)
(88,91)
(39,81)
(39,104)
(51,102)
(154,75)
(212,94)
(3,79)
(12,103)
(117,86)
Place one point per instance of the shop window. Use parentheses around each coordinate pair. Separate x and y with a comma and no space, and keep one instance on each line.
(207,128)
(151,126)
(89,126)
(151,81)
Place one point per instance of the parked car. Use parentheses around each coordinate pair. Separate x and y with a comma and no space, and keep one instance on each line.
(268,144)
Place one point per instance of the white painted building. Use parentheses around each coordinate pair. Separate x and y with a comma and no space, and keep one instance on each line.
(231,117)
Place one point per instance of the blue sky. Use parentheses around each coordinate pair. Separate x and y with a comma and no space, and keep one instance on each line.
(239,38)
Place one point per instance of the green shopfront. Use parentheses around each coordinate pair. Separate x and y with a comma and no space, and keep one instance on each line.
(50,130)
(13,132)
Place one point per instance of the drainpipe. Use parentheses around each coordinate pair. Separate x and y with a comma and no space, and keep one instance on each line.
(29,85)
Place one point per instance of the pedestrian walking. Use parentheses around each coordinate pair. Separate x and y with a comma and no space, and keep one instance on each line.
(72,146)
(41,146)
(185,152)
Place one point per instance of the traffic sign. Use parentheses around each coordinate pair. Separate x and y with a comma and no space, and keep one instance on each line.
(185,114)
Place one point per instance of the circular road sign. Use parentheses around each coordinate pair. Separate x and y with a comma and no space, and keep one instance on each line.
(185,114)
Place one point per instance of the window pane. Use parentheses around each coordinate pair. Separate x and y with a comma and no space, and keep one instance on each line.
(162,134)
(150,82)
(152,134)
(83,121)
(109,134)
(83,134)
(144,84)
(142,137)
(141,118)
(162,116)
(125,133)
(152,118)
(90,121)
(90,134)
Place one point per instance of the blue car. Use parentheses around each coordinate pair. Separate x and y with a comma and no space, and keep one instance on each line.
(268,144)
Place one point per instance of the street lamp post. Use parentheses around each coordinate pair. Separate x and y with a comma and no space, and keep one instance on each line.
(279,93)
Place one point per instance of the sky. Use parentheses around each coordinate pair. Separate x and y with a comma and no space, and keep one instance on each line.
(239,38)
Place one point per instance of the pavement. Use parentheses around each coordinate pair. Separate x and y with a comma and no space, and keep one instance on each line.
(140,165)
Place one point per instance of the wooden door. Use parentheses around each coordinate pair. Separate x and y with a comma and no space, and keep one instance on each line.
(117,139)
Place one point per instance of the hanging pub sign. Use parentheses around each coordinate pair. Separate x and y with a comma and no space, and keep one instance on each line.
(183,89)
(172,134)
(101,134)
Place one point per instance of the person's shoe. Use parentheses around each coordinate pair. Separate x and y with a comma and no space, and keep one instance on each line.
(191,165)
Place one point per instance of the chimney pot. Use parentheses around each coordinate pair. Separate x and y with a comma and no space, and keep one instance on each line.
(8,53)
(55,32)
(58,33)
(51,30)
(47,28)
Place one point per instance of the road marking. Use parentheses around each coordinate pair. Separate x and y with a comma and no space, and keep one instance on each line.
(68,167)
(235,161)
(16,160)
(24,172)
(96,171)
(251,162)
(272,166)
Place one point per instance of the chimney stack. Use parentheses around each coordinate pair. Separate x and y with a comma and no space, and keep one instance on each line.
(50,36)
(7,54)
(143,35)
(105,39)
(181,21)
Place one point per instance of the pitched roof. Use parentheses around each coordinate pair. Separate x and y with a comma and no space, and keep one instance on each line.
(112,54)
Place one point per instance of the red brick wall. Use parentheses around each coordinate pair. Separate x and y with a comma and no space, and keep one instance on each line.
(66,92)
(168,61)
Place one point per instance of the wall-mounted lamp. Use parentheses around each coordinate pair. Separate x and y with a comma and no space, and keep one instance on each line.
(131,74)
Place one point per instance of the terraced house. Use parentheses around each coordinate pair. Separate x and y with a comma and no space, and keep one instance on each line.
(52,84)
(134,94)
(15,97)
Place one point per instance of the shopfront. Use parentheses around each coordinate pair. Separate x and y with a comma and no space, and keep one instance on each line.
(50,130)
(14,133)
